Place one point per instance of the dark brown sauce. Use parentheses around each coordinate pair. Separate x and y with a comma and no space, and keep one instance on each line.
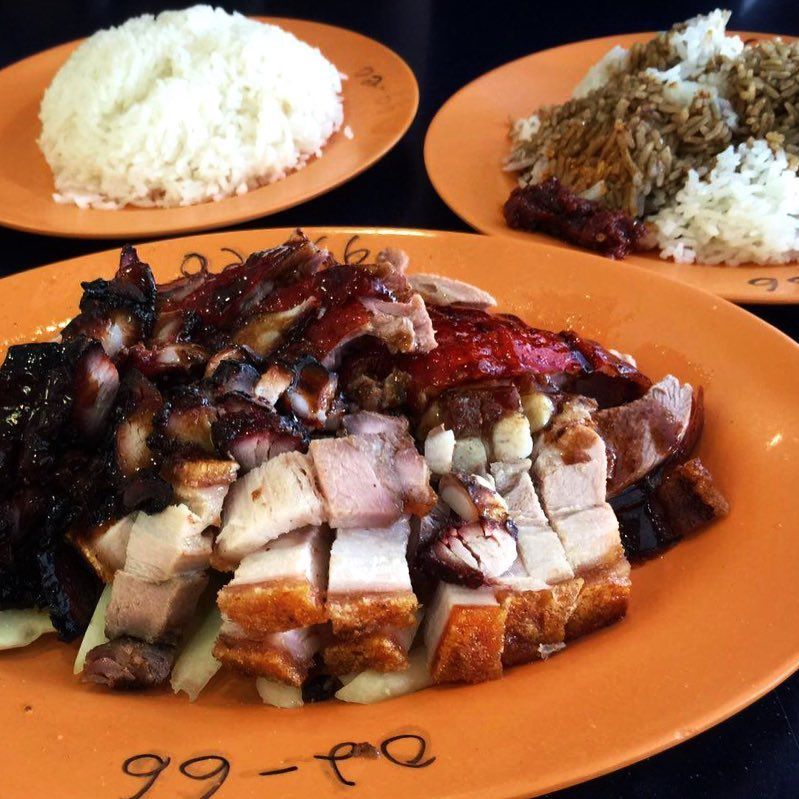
(644,532)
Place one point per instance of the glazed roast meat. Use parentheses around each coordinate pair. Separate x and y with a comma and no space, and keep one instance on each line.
(352,449)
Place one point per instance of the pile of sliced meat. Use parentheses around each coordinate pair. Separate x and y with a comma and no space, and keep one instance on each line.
(352,460)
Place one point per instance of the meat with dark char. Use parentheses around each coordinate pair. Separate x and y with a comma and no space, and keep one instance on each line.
(127,663)
(556,210)
(688,497)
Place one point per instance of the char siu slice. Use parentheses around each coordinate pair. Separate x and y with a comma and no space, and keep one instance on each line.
(275,498)
(464,634)
(282,586)
(284,657)
(369,585)
(476,542)
(127,663)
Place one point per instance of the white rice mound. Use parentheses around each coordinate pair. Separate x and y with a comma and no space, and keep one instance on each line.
(703,39)
(746,210)
(185,107)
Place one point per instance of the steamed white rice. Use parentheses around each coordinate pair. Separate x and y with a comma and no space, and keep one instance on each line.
(185,107)
(746,210)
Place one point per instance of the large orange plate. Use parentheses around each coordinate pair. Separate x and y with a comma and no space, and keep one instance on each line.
(710,626)
(380,101)
(468,140)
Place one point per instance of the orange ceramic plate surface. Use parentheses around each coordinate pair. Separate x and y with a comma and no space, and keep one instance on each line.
(380,101)
(468,140)
(710,626)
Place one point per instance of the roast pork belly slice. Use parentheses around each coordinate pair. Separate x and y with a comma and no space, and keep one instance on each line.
(640,435)
(440,290)
(282,586)
(370,480)
(105,547)
(383,650)
(283,656)
(603,599)
(152,612)
(464,634)
(202,486)
(536,620)
(570,472)
(166,544)
(590,537)
(127,663)
(539,592)
(274,498)
(369,585)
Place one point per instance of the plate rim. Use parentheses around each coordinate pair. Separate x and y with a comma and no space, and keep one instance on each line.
(171,230)
(514,786)
(478,224)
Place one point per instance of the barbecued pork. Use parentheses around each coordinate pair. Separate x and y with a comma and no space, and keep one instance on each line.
(127,663)
(282,586)
(212,401)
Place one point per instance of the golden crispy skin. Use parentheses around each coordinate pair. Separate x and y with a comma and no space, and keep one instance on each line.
(363,614)
(535,618)
(378,651)
(603,599)
(260,660)
(470,649)
(274,606)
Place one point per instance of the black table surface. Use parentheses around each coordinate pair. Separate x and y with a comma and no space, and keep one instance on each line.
(447,44)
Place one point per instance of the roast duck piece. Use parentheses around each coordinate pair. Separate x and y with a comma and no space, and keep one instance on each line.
(364,459)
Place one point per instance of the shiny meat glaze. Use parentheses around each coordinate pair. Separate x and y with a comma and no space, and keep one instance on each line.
(245,420)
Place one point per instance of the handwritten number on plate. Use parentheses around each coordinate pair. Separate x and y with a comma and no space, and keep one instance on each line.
(342,751)
(133,767)
(770,283)
(354,256)
(221,770)
(368,76)
(412,762)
